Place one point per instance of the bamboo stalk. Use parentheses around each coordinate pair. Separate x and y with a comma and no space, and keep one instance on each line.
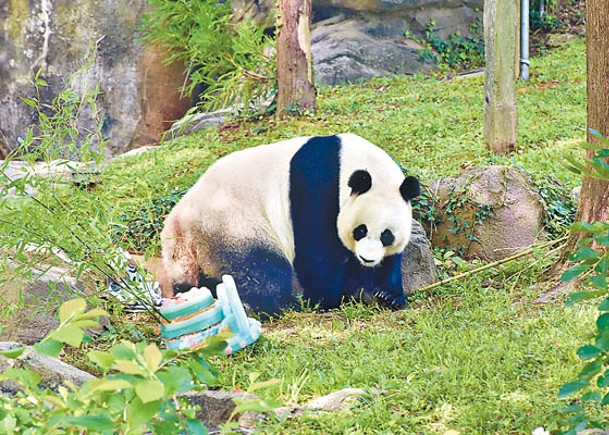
(490,265)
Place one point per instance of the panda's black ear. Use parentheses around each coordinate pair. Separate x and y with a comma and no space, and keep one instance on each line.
(410,188)
(360,182)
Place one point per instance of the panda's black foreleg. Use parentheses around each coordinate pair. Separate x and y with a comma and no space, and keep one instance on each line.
(322,281)
(264,279)
(389,290)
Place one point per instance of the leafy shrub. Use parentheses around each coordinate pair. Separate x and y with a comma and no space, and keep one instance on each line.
(457,52)
(139,391)
(141,228)
(233,63)
(592,267)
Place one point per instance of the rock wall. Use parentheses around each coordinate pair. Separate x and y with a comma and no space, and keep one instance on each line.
(361,39)
(139,95)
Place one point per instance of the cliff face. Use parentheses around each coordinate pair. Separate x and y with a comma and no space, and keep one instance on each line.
(139,95)
(351,40)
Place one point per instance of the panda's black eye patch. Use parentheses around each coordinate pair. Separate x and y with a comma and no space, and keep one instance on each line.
(387,238)
(360,232)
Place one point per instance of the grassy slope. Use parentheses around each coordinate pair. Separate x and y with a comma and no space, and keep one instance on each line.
(469,358)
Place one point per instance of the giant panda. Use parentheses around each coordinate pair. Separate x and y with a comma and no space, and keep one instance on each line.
(324,217)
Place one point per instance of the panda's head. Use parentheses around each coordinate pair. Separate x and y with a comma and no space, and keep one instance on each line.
(375,221)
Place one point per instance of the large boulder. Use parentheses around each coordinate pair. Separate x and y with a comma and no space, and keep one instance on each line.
(489,213)
(418,264)
(346,51)
(139,94)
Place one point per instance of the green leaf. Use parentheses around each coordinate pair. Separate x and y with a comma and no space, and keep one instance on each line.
(603,321)
(13,353)
(203,372)
(8,424)
(175,379)
(588,351)
(153,357)
(196,427)
(149,391)
(123,350)
(69,334)
(570,388)
(590,370)
(109,384)
(95,423)
(591,396)
(582,296)
(598,281)
(129,367)
(573,272)
(605,401)
(30,102)
(91,314)
(139,413)
(604,305)
(71,308)
(102,359)
(49,347)
(585,253)
(603,381)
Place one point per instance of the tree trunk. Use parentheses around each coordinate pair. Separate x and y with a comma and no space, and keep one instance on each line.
(594,194)
(501,57)
(296,90)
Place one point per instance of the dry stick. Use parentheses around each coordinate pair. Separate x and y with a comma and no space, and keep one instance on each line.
(488,266)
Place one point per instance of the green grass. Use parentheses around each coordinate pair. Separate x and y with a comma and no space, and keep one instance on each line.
(474,359)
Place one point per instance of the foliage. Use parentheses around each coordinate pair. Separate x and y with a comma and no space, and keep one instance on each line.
(592,268)
(142,227)
(232,64)
(139,391)
(457,52)
(559,205)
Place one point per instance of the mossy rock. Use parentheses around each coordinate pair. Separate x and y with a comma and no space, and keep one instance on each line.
(489,213)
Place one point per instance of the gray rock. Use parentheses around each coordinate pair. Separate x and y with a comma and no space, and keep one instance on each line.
(57,171)
(199,121)
(338,400)
(487,212)
(139,94)
(344,50)
(52,371)
(217,407)
(418,265)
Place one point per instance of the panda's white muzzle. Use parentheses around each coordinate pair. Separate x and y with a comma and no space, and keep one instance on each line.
(369,252)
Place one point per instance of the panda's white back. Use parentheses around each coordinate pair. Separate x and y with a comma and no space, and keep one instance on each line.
(245,195)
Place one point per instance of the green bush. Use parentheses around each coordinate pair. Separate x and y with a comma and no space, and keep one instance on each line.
(232,62)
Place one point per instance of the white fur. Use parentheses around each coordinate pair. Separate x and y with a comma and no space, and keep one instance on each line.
(381,208)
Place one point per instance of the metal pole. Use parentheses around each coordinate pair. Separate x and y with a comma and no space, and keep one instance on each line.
(524,39)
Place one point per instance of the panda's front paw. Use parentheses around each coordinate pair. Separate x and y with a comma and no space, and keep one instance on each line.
(388,300)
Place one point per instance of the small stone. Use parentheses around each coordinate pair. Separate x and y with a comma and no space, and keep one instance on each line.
(339,400)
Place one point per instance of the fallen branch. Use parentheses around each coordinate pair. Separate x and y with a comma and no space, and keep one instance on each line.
(490,265)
